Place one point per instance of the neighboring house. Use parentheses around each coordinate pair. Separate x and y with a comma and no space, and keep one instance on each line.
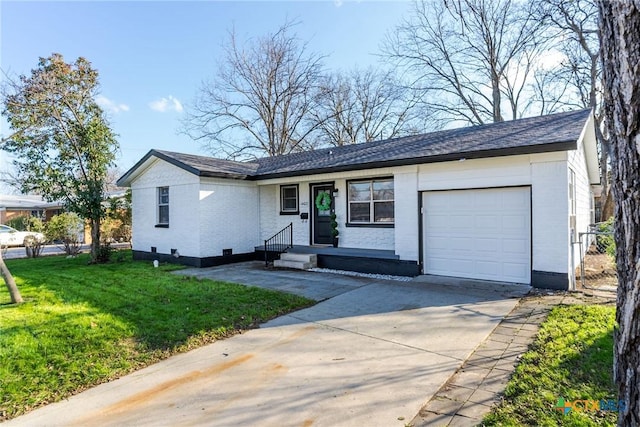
(496,202)
(12,206)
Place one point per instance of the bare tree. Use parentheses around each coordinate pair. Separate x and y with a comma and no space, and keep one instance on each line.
(259,101)
(11,180)
(113,174)
(620,46)
(574,28)
(474,58)
(364,105)
(575,82)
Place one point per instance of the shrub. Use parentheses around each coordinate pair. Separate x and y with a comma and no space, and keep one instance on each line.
(26,223)
(117,224)
(67,229)
(123,233)
(606,242)
(35,224)
(114,230)
(33,246)
(20,223)
(108,227)
(334,225)
(104,253)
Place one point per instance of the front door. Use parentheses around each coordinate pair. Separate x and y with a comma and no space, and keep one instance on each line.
(321,223)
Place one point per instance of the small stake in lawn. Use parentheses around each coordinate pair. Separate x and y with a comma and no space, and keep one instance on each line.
(14,292)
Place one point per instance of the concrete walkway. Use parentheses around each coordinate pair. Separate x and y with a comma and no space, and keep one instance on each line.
(371,354)
(479,384)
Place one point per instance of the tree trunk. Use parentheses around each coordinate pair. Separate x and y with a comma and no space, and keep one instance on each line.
(95,239)
(496,97)
(620,39)
(14,293)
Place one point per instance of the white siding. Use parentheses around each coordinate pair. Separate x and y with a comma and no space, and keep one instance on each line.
(406,215)
(367,238)
(550,216)
(184,228)
(584,196)
(270,219)
(204,218)
(228,217)
(480,173)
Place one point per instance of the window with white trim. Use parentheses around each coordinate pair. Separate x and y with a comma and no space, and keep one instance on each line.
(371,201)
(289,199)
(163,205)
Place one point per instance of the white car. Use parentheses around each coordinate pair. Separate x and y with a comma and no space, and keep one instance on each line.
(12,237)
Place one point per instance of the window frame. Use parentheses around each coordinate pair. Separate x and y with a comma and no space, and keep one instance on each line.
(372,223)
(160,204)
(284,211)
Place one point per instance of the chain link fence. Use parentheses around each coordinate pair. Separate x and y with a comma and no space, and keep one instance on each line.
(597,269)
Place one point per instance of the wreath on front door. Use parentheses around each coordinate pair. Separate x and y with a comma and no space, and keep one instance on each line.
(323,201)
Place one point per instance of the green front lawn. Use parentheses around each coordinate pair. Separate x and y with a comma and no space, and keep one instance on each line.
(571,358)
(83,325)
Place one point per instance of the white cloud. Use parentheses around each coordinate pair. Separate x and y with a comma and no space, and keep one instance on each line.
(163,105)
(110,106)
(551,59)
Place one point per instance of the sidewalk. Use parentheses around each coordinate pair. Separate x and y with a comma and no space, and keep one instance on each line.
(479,383)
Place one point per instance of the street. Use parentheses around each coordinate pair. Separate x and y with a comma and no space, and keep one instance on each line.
(20,252)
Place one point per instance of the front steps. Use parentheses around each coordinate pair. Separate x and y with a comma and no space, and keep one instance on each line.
(296,261)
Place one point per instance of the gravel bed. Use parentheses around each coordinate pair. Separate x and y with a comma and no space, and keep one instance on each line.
(369,275)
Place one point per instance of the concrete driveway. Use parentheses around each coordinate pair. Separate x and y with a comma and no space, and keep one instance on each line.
(370,355)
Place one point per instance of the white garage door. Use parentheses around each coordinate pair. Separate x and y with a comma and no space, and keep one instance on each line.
(480,234)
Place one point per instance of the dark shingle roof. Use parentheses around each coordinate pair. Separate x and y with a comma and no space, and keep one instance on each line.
(530,135)
(209,166)
(540,134)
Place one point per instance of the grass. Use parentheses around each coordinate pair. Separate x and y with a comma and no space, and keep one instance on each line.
(572,358)
(82,325)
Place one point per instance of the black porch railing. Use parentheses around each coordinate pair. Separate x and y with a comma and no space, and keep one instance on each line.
(278,243)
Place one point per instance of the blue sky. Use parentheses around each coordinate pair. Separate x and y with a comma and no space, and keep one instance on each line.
(153,55)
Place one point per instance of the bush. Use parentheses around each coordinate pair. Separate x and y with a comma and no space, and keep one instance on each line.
(25,223)
(33,246)
(108,227)
(114,230)
(66,228)
(116,227)
(123,233)
(20,223)
(334,225)
(35,224)
(606,242)
(104,253)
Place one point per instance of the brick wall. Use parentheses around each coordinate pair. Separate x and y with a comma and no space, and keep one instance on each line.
(228,217)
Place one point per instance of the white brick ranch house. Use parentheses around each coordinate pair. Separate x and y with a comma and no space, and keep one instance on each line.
(495,202)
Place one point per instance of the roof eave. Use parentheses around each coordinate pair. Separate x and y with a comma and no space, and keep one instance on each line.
(589,143)
(142,164)
(501,152)
(225,175)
